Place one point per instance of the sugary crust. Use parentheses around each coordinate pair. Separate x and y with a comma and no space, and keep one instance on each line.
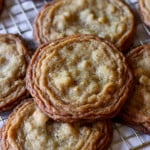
(144,11)
(1,5)
(122,41)
(12,48)
(107,106)
(93,136)
(135,112)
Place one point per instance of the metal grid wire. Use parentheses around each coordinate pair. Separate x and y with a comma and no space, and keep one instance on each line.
(18,18)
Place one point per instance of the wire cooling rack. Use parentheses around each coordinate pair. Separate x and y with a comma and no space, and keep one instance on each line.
(18,17)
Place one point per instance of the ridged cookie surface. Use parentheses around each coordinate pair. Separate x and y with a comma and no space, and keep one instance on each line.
(79,77)
(109,19)
(28,128)
(144,10)
(14,59)
(136,111)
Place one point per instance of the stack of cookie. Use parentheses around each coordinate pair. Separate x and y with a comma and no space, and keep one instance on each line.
(78,78)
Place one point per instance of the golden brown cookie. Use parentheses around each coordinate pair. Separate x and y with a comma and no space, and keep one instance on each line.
(28,128)
(79,77)
(110,19)
(144,10)
(136,111)
(14,59)
(1,5)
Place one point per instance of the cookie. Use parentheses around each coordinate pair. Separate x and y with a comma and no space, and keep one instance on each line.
(109,19)
(28,128)
(135,112)
(14,59)
(80,77)
(144,11)
(1,5)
